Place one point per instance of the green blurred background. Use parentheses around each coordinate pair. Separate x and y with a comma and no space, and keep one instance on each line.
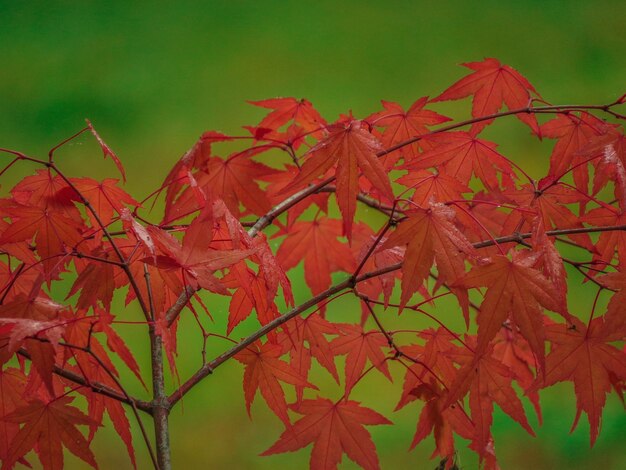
(152,77)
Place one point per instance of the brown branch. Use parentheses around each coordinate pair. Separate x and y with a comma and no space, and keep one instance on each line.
(368,201)
(173,312)
(160,405)
(348,283)
(265,220)
(285,205)
(96,387)
(208,368)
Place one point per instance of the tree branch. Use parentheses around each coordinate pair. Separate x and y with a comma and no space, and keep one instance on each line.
(96,387)
(348,283)
(265,220)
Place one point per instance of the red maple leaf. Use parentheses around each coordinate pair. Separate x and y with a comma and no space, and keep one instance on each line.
(517,289)
(194,159)
(306,338)
(364,238)
(611,242)
(611,166)
(313,330)
(232,179)
(12,384)
(439,419)
(493,84)
(582,355)
(48,427)
(81,331)
(573,133)
(333,428)
(316,243)
(513,351)
(275,189)
(300,112)
(194,261)
(488,381)
(104,197)
(430,235)
(401,125)
(431,186)
(263,371)
(614,319)
(96,283)
(252,296)
(54,233)
(549,202)
(40,339)
(461,154)
(43,189)
(359,346)
(98,404)
(352,148)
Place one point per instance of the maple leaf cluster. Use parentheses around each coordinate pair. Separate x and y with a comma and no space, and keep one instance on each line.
(411,209)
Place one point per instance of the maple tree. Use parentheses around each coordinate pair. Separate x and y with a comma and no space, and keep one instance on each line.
(455,217)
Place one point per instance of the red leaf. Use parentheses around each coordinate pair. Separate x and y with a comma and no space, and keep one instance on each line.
(105,198)
(550,201)
(40,339)
(513,351)
(401,125)
(263,371)
(47,191)
(488,381)
(316,243)
(12,383)
(610,242)
(430,235)
(232,179)
(573,134)
(107,151)
(241,303)
(493,84)
(290,109)
(55,234)
(461,154)
(513,288)
(360,346)
(431,186)
(352,148)
(333,428)
(97,403)
(116,343)
(47,428)
(194,159)
(313,330)
(441,420)
(193,260)
(583,356)
(96,283)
